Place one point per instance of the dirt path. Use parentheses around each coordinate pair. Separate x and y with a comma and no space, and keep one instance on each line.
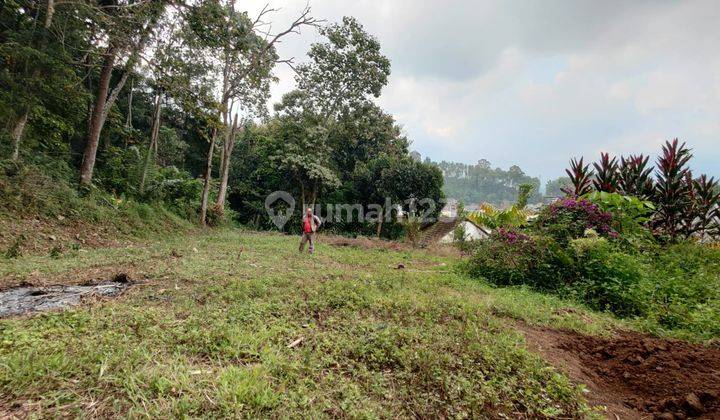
(636,376)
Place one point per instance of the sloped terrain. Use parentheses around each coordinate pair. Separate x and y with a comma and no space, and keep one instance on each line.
(237,323)
(636,375)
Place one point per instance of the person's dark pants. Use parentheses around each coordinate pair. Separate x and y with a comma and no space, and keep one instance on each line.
(308,237)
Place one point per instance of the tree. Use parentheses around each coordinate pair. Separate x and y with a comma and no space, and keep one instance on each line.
(344,71)
(243,55)
(554,188)
(35,77)
(481,183)
(414,186)
(127,29)
(303,153)
(363,133)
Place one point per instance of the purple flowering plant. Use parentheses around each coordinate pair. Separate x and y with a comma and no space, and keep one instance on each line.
(568,218)
(511,236)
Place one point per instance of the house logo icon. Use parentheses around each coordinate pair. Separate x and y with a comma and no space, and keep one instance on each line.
(279,206)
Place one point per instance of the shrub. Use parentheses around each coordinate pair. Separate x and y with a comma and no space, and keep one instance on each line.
(606,174)
(684,206)
(510,257)
(634,176)
(494,218)
(121,172)
(675,287)
(683,286)
(177,189)
(568,219)
(673,189)
(607,277)
(411,226)
(629,217)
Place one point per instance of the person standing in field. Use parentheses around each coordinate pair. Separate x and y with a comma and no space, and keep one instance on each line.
(310,224)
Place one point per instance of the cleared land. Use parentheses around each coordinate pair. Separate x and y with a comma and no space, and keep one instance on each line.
(236,323)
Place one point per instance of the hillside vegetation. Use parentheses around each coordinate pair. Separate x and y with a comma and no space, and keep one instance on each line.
(162,109)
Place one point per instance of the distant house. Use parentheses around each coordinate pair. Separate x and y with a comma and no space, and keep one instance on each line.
(443,231)
(450,208)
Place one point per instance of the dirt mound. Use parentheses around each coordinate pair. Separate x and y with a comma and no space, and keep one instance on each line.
(656,376)
(635,375)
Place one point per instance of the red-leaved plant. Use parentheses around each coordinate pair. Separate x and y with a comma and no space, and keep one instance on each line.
(580,177)
(635,177)
(684,206)
(701,219)
(606,174)
(673,194)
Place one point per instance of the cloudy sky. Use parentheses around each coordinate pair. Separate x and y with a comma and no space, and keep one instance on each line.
(532,82)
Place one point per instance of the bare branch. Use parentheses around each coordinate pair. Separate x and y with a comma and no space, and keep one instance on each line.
(303,20)
(265,10)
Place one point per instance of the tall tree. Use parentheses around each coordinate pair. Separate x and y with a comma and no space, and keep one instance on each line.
(344,71)
(243,53)
(128,29)
(34,74)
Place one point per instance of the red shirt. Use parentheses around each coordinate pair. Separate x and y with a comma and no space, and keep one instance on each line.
(307,225)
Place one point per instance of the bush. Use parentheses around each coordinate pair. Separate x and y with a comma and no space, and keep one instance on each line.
(177,190)
(675,287)
(607,278)
(683,206)
(683,285)
(629,217)
(569,218)
(509,257)
(121,172)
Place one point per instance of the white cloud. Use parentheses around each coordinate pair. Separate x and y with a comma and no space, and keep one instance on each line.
(534,83)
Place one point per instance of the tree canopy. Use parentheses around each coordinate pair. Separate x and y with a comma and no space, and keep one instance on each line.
(168,101)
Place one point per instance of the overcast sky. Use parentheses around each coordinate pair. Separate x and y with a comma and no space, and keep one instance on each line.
(534,83)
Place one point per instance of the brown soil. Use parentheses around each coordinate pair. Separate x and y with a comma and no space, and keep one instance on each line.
(85,275)
(365,242)
(40,235)
(636,375)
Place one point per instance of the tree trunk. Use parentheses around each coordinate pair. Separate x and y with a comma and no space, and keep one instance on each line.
(17,134)
(302,195)
(228,147)
(152,146)
(128,121)
(313,197)
(381,216)
(208,177)
(104,101)
(96,119)
(49,13)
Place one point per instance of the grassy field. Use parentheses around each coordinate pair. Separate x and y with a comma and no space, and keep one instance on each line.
(236,323)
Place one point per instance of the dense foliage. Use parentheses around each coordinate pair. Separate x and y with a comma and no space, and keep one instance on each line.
(644,257)
(166,103)
(481,183)
(682,206)
(492,217)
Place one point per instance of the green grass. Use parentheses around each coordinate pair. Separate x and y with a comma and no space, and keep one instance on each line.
(208,335)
